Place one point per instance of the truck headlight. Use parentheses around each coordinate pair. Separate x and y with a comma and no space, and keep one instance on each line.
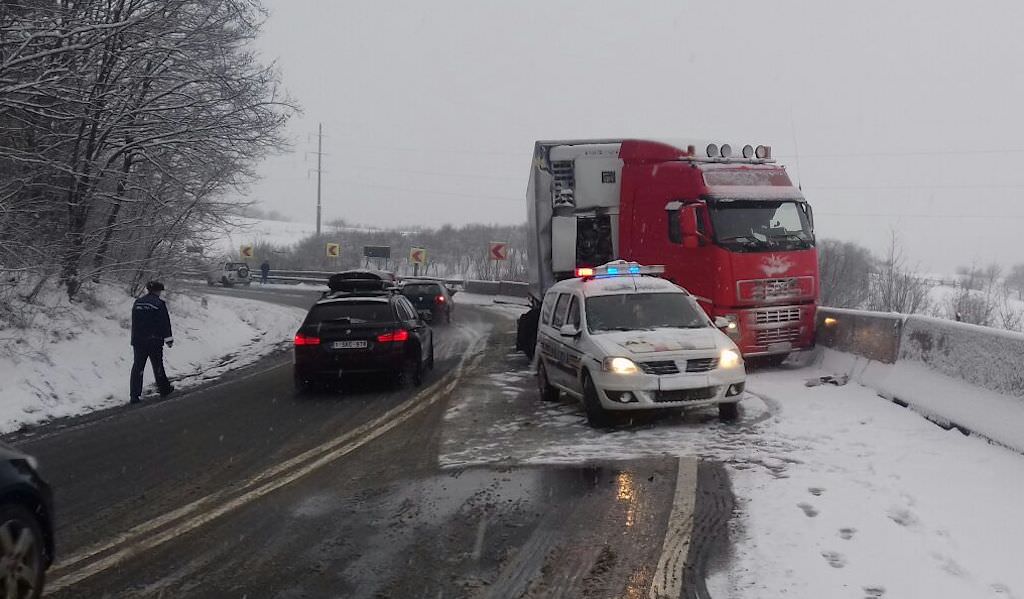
(729,359)
(619,366)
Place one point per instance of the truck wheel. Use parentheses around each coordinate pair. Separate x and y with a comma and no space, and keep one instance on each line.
(548,392)
(729,412)
(597,416)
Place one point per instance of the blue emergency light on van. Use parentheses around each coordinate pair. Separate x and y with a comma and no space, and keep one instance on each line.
(618,268)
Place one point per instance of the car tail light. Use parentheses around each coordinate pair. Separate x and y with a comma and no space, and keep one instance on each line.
(439,299)
(301,339)
(394,336)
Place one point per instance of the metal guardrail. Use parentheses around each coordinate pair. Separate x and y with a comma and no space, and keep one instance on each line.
(510,288)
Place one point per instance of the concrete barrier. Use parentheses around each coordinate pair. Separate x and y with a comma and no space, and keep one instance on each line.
(872,335)
(958,375)
(483,287)
(982,356)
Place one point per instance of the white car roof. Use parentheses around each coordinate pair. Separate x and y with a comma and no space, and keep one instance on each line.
(618,285)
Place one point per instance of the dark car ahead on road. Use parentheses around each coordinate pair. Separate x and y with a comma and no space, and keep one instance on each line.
(362,326)
(431,299)
(26,526)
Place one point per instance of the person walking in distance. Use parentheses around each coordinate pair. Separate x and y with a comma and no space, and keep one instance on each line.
(264,272)
(151,329)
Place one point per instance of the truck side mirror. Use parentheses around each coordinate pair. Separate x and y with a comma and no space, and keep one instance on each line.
(688,221)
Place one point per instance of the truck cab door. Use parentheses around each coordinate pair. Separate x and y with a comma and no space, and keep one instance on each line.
(692,260)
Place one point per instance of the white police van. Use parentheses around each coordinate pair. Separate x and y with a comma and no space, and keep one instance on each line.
(619,339)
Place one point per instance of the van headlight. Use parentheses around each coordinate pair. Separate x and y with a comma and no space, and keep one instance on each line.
(619,366)
(729,359)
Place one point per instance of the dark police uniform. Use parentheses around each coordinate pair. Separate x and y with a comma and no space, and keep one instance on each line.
(151,327)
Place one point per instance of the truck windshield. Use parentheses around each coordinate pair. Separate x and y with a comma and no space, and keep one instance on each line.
(759,225)
(642,311)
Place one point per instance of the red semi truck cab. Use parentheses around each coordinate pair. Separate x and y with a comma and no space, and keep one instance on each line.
(727,223)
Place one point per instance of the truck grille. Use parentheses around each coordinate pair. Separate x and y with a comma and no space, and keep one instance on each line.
(777,315)
(701,364)
(770,336)
(698,394)
(659,367)
(775,289)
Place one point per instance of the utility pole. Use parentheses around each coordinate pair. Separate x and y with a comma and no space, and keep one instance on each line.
(319,172)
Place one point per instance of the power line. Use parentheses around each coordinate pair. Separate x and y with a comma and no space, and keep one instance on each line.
(436,192)
(892,154)
(912,187)
(919,215)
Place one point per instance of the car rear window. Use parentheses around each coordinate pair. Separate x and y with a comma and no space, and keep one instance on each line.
(353,312)
(421,289)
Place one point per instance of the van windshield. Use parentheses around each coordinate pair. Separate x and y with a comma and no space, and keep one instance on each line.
(643,311)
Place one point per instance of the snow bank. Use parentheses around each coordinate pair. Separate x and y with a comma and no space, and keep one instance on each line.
(513,306)
(852,496)
(75,358)
(941,398)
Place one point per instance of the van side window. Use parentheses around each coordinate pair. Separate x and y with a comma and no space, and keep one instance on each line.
(574,313)
(675,231)
(548,308)
(560,310)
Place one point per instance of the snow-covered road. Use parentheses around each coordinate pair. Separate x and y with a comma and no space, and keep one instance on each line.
(840,493)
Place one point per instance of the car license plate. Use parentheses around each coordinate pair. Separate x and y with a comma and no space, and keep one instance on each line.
(349,345)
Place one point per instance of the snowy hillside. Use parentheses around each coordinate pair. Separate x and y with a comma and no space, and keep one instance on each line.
(75,357)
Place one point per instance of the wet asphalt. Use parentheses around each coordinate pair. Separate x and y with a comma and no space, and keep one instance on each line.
(243,489)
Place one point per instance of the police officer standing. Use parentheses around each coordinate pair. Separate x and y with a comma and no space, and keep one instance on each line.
(264,272)
(151,328)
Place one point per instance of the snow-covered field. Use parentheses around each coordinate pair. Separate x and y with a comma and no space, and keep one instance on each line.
(76,357)
(840,493)
(274,232)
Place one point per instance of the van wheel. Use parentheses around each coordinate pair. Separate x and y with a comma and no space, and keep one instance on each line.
(597,416)
(729,412)
(548,392)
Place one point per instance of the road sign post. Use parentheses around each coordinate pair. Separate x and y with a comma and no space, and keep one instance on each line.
(498,250)
(378,252)
(417,256)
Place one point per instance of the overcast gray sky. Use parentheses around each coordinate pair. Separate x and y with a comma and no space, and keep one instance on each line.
(907,115)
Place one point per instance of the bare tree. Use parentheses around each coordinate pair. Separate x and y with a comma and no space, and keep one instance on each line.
(845,273)
(1015,280)
(894,286)
(980,298)
(123,122)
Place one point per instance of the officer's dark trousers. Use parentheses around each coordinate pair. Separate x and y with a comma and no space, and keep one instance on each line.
(154,352)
